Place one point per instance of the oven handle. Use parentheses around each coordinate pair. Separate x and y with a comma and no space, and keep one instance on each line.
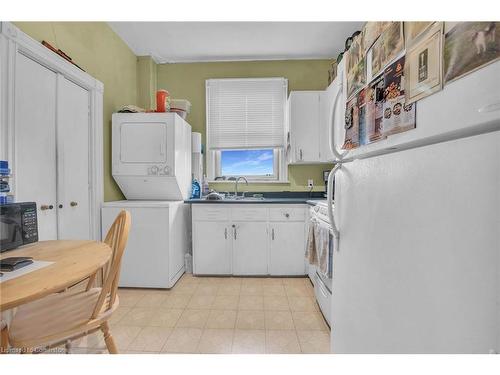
(329,200)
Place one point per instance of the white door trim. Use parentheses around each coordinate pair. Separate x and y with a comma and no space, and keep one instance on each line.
(13,41)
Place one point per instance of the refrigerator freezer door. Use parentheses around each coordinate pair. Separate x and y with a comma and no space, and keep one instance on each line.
(417,268)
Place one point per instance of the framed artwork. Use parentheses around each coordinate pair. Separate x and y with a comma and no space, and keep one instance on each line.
(387,47)
(468,46)
(423,65)
(413,30)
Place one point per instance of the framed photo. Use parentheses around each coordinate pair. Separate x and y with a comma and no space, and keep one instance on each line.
(413,31)
(469,46)
(423,65)
(388,46)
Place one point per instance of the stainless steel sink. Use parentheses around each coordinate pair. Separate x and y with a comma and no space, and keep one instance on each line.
(242,198)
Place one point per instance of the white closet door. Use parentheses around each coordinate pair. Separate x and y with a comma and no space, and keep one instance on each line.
(73,161)
(35,145)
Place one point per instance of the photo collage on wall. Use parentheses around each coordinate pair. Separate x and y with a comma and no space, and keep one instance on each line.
(392,65)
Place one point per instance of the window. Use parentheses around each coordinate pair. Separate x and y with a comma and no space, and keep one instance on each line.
(246,128)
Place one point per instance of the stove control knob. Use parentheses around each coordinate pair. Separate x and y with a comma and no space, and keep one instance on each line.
(153,170)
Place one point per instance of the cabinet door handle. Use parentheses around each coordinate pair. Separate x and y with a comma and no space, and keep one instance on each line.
(225,233)
(300,152)
(272,234)
(44,207)
(73,204)
(234,231)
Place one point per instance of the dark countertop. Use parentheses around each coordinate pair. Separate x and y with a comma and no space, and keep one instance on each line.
(286,197)
(253,201)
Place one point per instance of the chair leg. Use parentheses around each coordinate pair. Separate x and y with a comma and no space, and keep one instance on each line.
(67,346)
(108,339)
(4,342)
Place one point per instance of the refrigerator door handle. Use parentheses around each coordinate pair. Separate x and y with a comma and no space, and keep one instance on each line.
(338,156)
(329,200)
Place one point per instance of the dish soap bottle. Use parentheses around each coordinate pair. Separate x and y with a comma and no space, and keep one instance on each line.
(195,187)
(205,188)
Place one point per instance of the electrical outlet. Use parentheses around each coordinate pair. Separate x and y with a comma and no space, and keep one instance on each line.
(310,184)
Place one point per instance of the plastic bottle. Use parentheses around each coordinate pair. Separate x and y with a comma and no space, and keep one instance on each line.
(195,193)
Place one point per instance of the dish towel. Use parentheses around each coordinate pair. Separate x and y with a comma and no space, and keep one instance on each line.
(310,245)
(322,245)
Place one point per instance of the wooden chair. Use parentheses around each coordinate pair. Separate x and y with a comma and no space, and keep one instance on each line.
(58,318)
(4,342)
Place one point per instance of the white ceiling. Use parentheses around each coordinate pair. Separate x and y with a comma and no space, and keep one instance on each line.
(231,41)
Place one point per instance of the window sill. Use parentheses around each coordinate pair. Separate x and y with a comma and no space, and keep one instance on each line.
(251,182)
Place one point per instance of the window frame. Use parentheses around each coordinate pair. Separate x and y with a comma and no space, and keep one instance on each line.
(213,156)
(277,168)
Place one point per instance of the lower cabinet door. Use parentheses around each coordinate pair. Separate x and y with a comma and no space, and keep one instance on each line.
(250,254)
(212,248)
(287,249)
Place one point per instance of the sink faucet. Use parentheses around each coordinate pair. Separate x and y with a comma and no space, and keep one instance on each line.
(236,185)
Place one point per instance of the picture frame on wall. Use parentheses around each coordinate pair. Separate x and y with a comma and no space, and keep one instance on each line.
(469,46)
(423,64)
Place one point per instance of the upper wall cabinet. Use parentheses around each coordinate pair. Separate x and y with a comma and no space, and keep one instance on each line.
(307,123)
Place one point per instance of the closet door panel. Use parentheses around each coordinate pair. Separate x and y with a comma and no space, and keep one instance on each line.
(73,160)
(35,141)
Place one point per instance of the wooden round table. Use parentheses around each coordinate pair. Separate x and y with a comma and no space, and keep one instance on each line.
(73,262)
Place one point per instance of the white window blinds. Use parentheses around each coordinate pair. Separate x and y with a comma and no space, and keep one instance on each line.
(246,113)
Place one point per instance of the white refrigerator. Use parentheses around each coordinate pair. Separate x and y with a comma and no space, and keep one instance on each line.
(416,264)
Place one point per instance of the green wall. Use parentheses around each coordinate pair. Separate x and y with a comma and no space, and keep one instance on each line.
(131,80)
(146,82)
(187,81)
(102,54)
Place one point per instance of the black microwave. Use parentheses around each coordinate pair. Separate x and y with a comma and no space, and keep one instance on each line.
(18,225)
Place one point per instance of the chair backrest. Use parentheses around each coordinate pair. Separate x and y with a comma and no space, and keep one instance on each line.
(116,239)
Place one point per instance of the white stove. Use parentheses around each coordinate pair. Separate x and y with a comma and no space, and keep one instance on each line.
(322,283)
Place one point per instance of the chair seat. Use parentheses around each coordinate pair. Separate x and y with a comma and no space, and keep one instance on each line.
(52,318)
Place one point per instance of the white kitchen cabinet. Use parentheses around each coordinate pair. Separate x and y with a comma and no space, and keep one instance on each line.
(51,133)
(304,124)
(248,239)
(250,250)
(308,121)
(56,130)
(212,241)
(286,249)
(35,147)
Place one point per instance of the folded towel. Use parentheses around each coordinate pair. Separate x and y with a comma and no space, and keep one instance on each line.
(322,246)
(310,245)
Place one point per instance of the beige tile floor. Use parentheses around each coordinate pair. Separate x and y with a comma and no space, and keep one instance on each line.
(218,315)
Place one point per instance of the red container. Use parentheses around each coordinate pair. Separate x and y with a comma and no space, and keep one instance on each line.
(162,101)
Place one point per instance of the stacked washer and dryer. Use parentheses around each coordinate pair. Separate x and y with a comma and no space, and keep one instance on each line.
(151,163)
